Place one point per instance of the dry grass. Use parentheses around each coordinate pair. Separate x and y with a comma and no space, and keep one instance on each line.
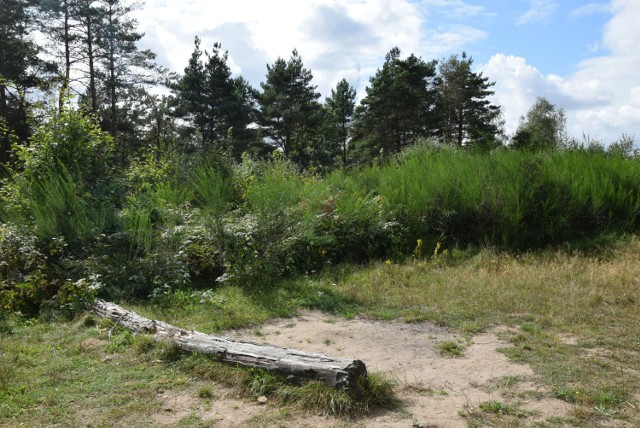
(575,291)
(576,317)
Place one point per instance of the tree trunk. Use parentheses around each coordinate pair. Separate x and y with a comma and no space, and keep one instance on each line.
(295,366)
(91,59)
(5,150)
(112,83)
(64,91)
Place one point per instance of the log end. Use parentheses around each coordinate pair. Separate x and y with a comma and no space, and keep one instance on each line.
(351,375)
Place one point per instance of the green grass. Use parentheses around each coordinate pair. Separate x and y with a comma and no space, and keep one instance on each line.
(574,317)
(495,413)
(70,373)
(450,348)
(64,374)
(232,306)
(510,199)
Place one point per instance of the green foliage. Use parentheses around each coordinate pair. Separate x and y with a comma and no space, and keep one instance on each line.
(163,226)
(362,222)
(397,109)
(290,113)
(76,142)
(542,128)
(465,116)
(213,189)
(215,105)
(341,106)
(64,182)
(57,202)
(277,232)
(59,208)
(511,199)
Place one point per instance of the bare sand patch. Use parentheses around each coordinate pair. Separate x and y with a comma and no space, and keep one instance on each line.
(434,388)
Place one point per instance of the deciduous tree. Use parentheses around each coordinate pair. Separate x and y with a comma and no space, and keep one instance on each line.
(542,128)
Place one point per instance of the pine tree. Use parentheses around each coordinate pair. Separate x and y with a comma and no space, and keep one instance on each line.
(21,71)
(465,113)
(91,47)
(341,105)
(126,67)
(97,43)
(218,107)
(290,113)
(398,107)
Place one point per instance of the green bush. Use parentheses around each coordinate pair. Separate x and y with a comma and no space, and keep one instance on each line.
(275,233)
(29,278)
(58,198)
(72,224)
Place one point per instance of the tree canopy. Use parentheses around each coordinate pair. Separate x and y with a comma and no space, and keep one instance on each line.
(398,107)
(543,127)
(465,112)
(289,107)
(97,61)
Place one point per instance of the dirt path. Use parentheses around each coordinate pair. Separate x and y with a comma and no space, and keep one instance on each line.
(434,388)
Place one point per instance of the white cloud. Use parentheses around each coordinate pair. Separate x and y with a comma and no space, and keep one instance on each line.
(539,11)
(601,99)
(455,8)
(349,38)
(590,9)
(336,38)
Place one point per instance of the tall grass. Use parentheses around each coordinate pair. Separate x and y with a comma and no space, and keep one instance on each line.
(59,206)
(261,220)
(511,199)
(212,189)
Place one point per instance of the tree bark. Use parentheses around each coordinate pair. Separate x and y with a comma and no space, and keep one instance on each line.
(64,91)
(296,366)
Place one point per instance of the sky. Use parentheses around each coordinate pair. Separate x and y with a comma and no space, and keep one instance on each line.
(581,55)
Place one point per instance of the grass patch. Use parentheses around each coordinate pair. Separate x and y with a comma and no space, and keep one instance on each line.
(231,306)
(50,373)
(450,348)
(70,373)
(205,392)
(64,374)
(593,297)
(494,413)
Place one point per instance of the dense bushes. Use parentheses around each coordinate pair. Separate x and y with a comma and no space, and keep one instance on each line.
(73,226)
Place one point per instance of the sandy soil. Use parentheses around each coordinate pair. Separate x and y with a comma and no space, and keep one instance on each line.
(434,389)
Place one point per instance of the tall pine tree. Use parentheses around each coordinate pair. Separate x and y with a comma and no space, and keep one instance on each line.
(398,108)
(290,113)
(21,71)
(127,68)
(341,105)
(217,106)
(465,113)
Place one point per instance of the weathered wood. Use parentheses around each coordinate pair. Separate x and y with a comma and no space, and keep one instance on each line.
(296,366)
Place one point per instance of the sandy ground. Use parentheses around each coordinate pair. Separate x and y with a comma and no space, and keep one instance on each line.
(434,389)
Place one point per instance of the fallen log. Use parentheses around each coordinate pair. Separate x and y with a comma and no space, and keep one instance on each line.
(295,366)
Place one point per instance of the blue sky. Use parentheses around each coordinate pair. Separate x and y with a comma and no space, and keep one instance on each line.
(552,36)
(581,55)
